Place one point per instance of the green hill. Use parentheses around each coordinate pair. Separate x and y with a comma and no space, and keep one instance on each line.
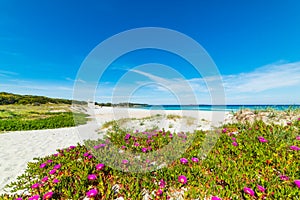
(9,98)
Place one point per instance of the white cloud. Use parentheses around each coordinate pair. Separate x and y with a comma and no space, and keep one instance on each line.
(270,84)
(5,73)
(264,78)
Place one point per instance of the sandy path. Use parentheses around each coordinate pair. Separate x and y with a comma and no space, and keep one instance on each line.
(20,147)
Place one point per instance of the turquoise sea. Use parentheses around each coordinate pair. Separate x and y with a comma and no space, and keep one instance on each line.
(220,107)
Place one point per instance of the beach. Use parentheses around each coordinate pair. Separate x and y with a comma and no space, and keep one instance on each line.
(20,147)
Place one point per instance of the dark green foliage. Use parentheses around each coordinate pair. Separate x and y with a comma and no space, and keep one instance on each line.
(9,98)
(55,120)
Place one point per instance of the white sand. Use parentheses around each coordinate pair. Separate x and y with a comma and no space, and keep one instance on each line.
(20,147)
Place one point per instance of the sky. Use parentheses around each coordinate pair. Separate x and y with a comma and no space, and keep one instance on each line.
(255,46)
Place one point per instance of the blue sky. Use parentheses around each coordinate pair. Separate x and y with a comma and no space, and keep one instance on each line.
(254,44)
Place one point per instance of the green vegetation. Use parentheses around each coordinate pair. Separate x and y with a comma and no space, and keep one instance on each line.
(9,98)
(53,120)
(173,117)
(248,161)
(16,117)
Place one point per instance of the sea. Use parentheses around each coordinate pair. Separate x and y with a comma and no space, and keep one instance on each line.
(229,108)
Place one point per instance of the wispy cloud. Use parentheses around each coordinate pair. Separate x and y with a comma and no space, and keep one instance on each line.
(274,83)
(265,78)
(5,73)
(73,80)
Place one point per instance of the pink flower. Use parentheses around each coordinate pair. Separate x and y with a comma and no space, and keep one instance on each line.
(86,154)
(49,161)
(262,139)
(72,147)
(125,161)
(144,149)
(55,180)
(36,185)
(127,136)
(182,179)
(57,166)
(43,165)
(233,138)
(55,155)
(215,198)
(48,195)
(249,191)
(90,156)
(295,148)
(136,144)
(184,160)
(297,183)
(53,171)
(170,135)
(92,177)
(100,166)
(162,183)
(298,137)
(284,178)
(35,197)
(92,193)
(235,144)
(19,198)
(261,188)
(224,130)
(123,147)
(45,179)
(159,192)
(195,159)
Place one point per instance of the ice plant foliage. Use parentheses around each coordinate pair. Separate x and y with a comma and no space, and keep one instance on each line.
(76,174)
